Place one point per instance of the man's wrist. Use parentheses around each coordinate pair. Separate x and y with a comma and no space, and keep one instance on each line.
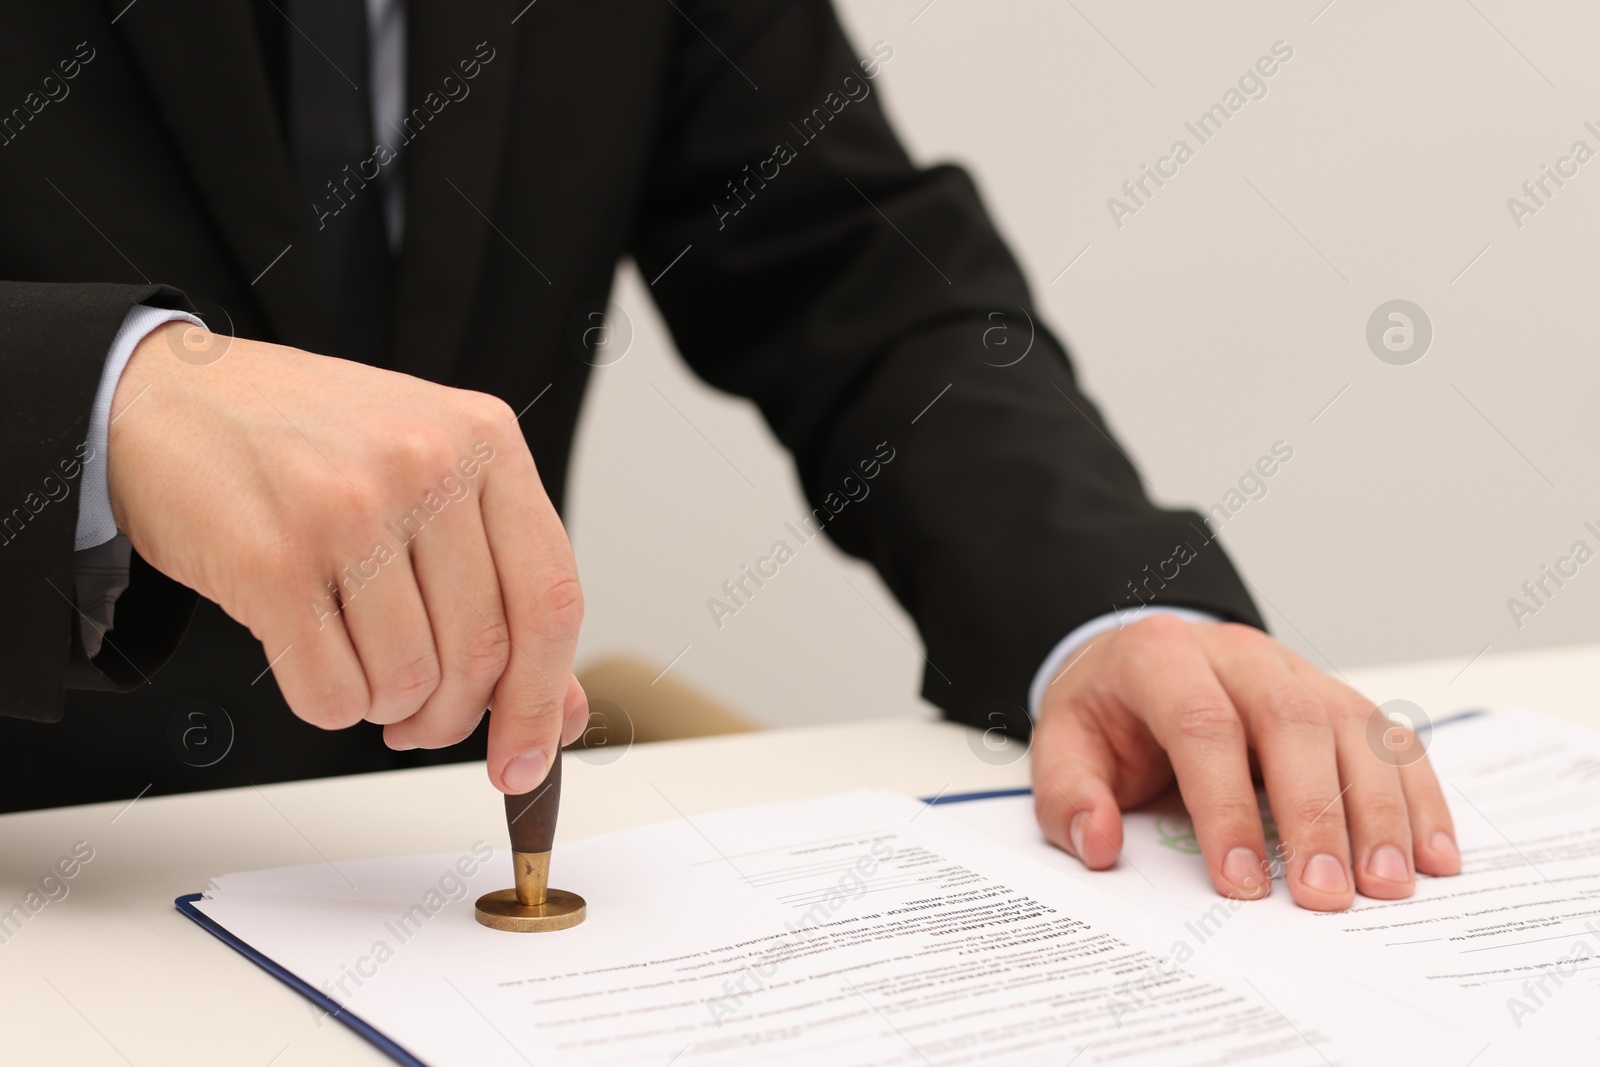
(96,521)
(1060,658)
(164,341)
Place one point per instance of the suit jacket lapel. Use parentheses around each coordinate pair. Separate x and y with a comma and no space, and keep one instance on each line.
(451,155)
(202,64)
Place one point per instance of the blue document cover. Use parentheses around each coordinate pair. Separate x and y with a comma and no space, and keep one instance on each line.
(185,904)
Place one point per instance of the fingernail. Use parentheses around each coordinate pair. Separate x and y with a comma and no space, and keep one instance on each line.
(1389,864)
(1242,867)
(1325,874)
(526,771)
(1445,846)
(1075,832)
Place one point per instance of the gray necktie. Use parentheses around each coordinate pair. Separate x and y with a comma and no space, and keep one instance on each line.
(331,142)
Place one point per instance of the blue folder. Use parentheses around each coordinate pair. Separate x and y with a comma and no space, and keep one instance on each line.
(185,904)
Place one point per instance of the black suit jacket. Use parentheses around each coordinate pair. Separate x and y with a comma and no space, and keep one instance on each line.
(813,268)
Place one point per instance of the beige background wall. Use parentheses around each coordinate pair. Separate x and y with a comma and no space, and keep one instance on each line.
(1223,316)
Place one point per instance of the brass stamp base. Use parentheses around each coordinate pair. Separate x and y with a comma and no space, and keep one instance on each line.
(502,911)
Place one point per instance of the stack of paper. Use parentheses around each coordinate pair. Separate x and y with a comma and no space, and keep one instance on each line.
(872,929)
(1507,952)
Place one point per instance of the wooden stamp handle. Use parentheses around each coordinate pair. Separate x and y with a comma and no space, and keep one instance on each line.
(531,817)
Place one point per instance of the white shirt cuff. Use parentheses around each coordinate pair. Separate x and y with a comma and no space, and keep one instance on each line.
(1052,668)
(95,523)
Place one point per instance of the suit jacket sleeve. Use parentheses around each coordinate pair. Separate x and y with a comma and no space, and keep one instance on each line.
(846,290)
(53,343)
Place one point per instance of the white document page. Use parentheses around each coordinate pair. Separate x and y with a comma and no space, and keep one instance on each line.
(853,930)
(1508,951)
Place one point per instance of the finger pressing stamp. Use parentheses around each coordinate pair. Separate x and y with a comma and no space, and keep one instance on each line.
(531,906)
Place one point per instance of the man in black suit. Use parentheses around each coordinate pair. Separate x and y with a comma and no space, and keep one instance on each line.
(207,201)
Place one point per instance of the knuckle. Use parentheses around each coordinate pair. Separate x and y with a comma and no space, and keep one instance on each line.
(489,419)
(1243,634)
(420,448)
(1208,719)
(349,508)
(1352,710)
(487,411)
(558,608)
(1234,815)
(413,681)
(485,653)
(283,554)
(1384,812)
(1160,629)
(1325,814)
(1294,708)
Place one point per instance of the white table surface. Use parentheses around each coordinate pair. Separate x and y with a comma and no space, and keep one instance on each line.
(113,974)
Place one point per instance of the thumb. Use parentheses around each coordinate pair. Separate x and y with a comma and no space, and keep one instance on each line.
(1073,799)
